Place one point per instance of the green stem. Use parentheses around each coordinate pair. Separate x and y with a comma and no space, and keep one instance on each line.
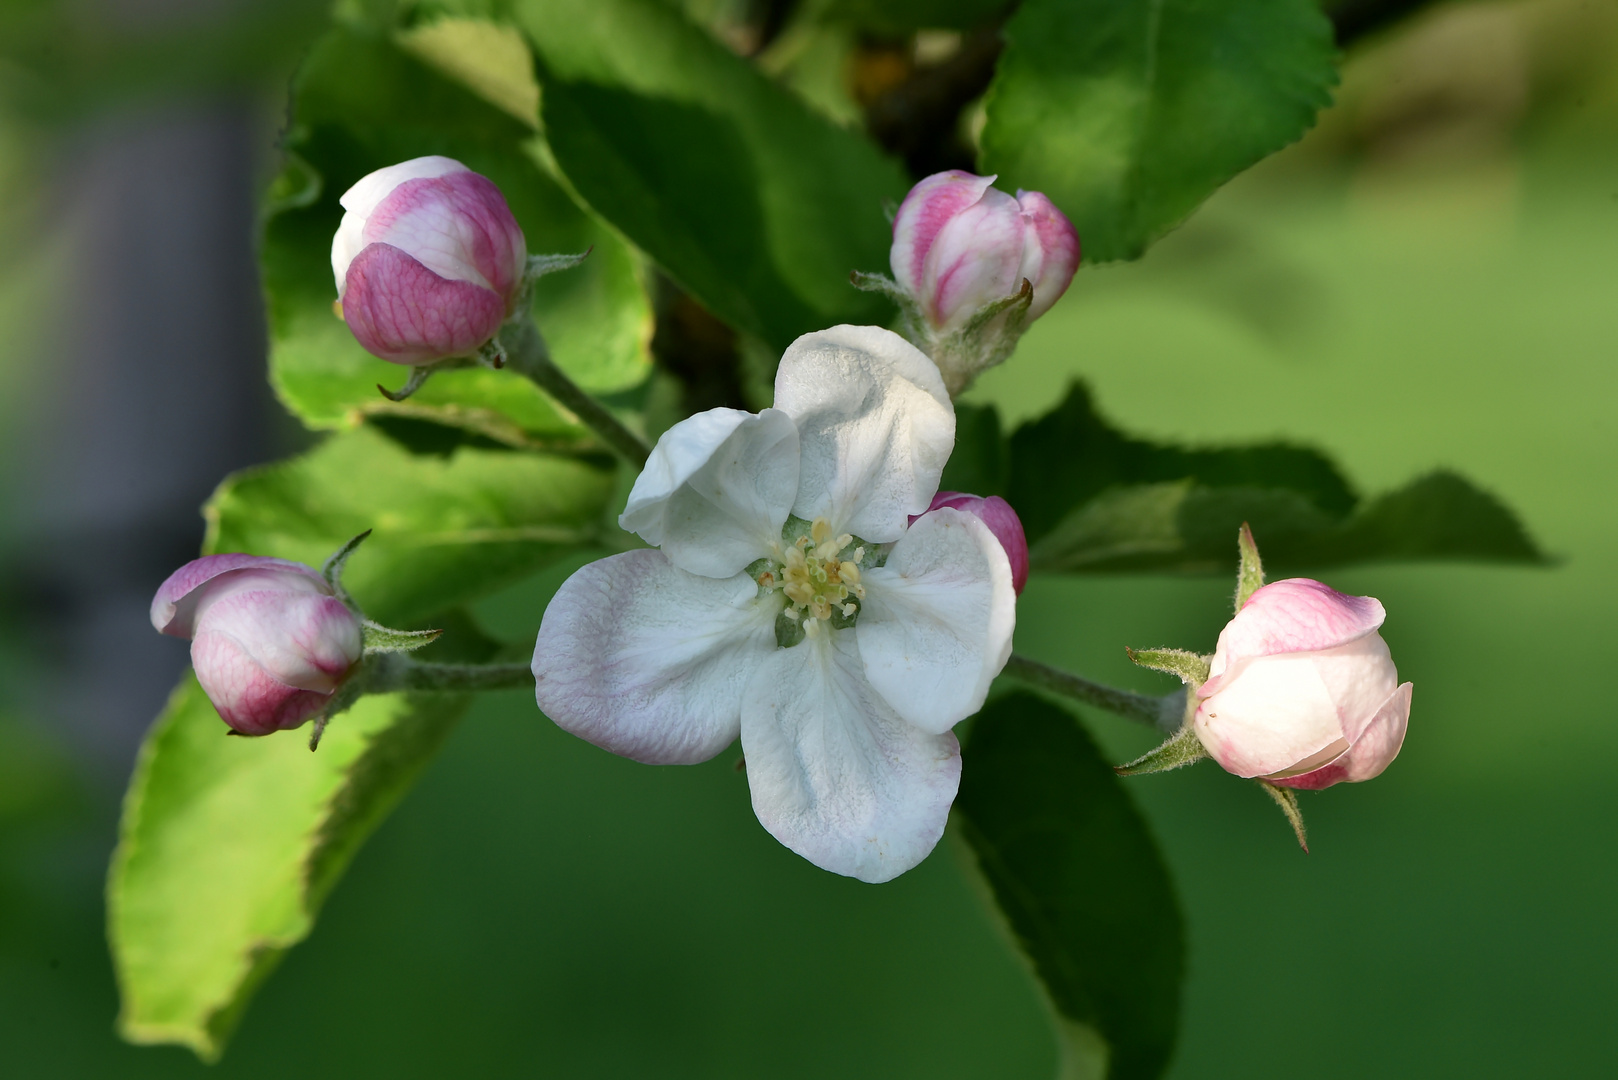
(396,671)
(1164,712)
(527,355)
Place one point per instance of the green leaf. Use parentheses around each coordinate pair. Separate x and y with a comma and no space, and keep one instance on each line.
(361,102)
(1072,454)
(980,462)
(755,204)
(1074,869)
(1129,113)
(228,847)
(1093,499)
(444,529)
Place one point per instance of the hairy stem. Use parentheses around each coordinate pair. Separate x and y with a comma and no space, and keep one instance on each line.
(1164,712)
(527,355)
(396,671)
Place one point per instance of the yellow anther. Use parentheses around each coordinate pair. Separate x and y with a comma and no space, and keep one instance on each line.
(849,610)
(819,530)
(859,554)
(849,572)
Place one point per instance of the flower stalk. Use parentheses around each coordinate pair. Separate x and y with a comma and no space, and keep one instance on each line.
(1165,712)
(527,355)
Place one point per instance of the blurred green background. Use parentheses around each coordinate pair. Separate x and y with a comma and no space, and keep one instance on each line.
(1430,279)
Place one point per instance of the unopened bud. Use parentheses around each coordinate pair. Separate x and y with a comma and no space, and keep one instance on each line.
(1302,690)
(962,253)
(270,641)
(428,259)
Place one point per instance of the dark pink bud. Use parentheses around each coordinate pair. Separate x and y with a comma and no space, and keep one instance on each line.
(270,642)
(428,260)
(1001,519)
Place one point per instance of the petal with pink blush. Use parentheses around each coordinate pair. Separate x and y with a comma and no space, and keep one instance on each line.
(974,260)
(246,696)
(927,209)
(648,661)
(1295,615)
(174,607)
(364,196)
(1375,750)
(458,226)
(1001,519)
(1051,251)
(402,312)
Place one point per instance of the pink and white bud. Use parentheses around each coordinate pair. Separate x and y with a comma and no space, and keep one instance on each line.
(960,244)
(270,642)
(1302,691)
(1002,521)
(428,259)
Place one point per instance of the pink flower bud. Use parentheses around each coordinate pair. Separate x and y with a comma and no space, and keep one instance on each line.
(959,245)
(1302,689)
(269,641)
(1001,519)
(428,259)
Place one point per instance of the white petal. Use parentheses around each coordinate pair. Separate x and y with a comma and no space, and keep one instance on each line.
(837,775)
(935,628)
(648,661)
(717,489)
(359,200)
(875,425)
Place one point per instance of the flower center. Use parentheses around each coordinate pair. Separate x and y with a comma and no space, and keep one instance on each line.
(818,576)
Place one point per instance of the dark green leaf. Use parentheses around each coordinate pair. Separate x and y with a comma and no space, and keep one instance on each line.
(445,529)
(1075,871)
(362,102)
(1128,114)
(1070,455)
(979,464)
(766,222)
(1093,499)
(228,847)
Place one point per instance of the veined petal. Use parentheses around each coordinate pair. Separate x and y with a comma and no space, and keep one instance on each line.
(717,489)
(403,312)
(645,660)
(875,427)
(837,775)
(359,200)
(299,635)
(935,627)
(458,226)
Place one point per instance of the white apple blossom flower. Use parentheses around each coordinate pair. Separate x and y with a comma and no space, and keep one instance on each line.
(793,604)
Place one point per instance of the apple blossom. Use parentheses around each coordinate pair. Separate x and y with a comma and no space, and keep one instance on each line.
(1001,519)
(1302,691)
(270,641)
(792,602)
(973,266)
(428,259)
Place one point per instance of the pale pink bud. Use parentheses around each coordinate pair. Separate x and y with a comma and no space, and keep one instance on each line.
(428,259)
(1302,690)
(269,641)
(1001,519)
(960,244)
